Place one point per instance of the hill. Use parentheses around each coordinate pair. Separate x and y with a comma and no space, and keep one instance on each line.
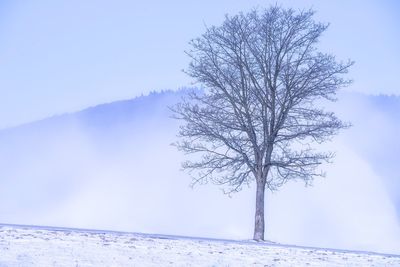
(112,167)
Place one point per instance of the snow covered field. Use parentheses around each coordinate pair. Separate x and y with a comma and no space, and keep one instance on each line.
(41,246)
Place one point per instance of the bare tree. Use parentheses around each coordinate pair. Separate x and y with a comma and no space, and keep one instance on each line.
(257,117)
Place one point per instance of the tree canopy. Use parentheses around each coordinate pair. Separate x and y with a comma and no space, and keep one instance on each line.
(258,115)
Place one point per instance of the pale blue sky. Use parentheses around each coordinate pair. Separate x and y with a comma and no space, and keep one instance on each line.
(62,56)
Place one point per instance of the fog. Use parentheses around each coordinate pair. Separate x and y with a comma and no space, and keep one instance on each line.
(112,167)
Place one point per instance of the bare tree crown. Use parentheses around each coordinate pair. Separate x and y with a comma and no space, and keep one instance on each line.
(257,117)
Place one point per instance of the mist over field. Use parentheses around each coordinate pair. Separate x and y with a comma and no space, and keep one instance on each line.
(112,167)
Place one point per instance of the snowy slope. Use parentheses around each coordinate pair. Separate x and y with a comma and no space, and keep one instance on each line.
(41,246)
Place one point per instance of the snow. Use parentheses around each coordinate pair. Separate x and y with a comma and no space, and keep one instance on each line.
(47,246)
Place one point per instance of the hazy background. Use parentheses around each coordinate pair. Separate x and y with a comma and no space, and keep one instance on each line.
(112,166)
(59,56)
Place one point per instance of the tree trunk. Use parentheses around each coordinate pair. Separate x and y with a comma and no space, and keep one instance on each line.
(259,225)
